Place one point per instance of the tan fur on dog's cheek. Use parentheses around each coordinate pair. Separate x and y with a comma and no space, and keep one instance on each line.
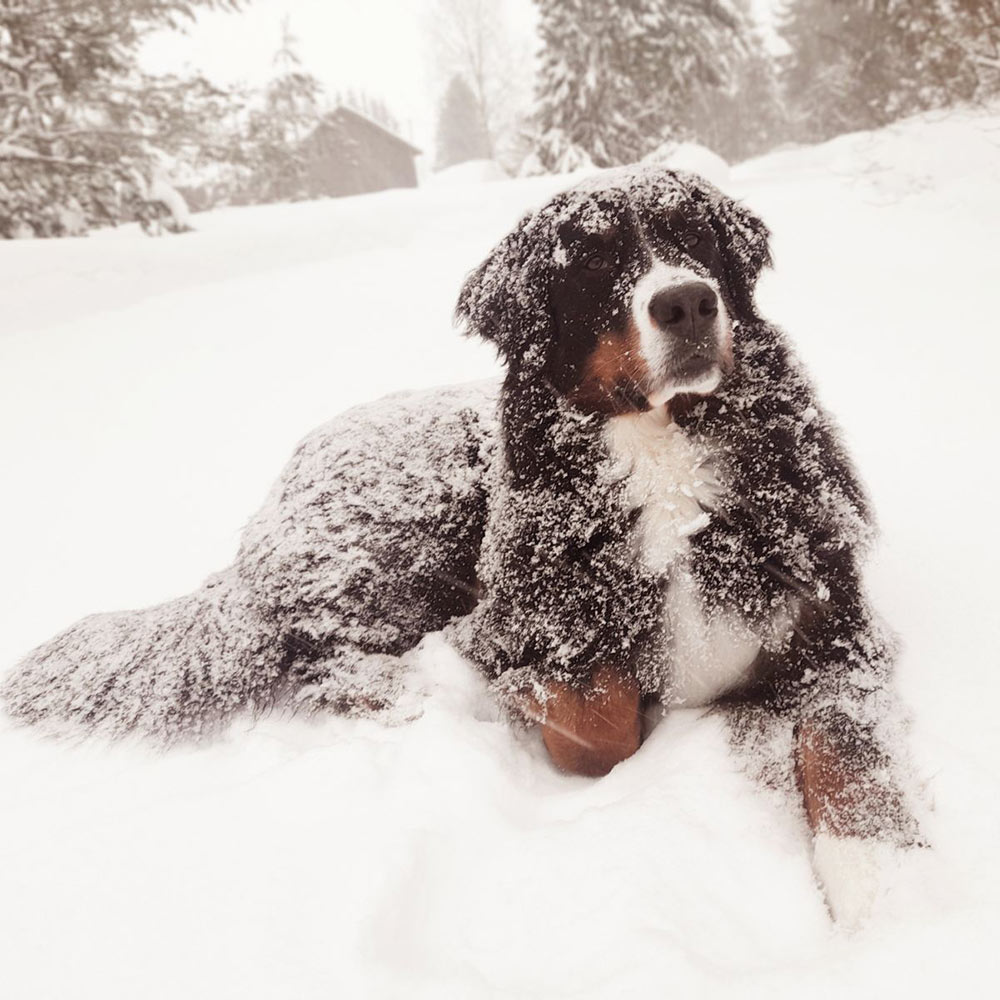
(616,358)
(727,360)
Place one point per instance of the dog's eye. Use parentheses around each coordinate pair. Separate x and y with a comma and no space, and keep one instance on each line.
(691,239)
(597,262)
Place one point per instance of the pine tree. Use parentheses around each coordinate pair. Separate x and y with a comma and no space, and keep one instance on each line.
(461,135)
(81,126)
(976,31)
(470,39)
(618,77)
(839,75)
(586,110)
(732,102)
(858,64)
(270,147)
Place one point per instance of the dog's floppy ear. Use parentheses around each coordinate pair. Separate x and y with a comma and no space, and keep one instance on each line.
(741,236)
(505,300)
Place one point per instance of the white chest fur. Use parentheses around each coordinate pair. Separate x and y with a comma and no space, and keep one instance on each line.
(671,479)
(668,476)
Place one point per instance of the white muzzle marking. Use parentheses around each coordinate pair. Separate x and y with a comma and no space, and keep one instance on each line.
(655,344)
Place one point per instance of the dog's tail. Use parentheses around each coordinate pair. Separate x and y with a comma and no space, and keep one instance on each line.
(171,671)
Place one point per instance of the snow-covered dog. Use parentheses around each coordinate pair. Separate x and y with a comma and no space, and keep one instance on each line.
(652,507)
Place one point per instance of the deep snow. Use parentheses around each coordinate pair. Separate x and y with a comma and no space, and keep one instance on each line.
(150,391)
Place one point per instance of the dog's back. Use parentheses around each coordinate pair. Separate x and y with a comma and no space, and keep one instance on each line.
(368,541)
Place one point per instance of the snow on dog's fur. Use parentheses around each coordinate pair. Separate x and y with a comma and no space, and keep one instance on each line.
(365,544)
(652,506)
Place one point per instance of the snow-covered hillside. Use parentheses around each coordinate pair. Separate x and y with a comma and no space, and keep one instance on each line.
(150,390)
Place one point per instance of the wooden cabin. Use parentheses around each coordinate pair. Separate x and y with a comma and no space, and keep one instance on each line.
(350,153)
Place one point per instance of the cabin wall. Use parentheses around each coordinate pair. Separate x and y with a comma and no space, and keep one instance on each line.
(350,156)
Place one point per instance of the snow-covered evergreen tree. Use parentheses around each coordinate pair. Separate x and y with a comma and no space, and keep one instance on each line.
(857,64)
(976,31)
(478,41)
(269,145)
(617,77)
(737,111)
(587,112)
(82,128)
(461,135)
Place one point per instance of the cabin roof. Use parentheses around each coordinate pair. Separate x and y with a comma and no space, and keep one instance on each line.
(343,113)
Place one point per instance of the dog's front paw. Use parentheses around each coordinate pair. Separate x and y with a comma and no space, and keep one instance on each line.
(853,872)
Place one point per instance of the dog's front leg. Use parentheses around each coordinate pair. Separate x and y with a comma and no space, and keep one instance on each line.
(854,807)
(591,726)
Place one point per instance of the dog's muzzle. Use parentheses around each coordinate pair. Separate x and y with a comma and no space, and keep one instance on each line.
(688,316)
(685,334)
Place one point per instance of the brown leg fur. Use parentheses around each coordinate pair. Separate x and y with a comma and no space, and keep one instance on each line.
(589,730)
(842,777)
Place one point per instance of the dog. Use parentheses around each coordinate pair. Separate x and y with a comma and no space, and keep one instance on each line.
(652,507)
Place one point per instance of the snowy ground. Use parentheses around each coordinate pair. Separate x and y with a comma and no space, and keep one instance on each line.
(150,390)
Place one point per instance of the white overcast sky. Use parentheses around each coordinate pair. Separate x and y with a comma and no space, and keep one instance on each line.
(378,46)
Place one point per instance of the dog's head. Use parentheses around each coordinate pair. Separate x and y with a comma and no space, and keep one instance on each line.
(623,291)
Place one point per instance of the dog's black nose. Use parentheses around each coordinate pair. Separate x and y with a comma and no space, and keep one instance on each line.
(688,310)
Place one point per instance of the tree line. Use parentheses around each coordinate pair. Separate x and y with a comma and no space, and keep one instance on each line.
(618,78)
(87,134)
(88,137)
